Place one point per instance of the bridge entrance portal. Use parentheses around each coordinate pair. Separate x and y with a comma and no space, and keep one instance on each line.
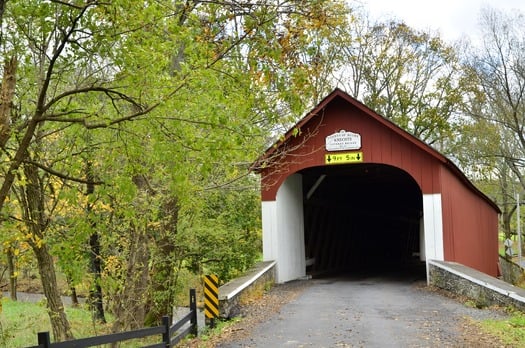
(361,218)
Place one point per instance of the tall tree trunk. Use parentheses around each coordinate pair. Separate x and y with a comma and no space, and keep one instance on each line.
(72,290)
(33,207)
(95,293)
(130,304)
(164,263)
(507,210)
(55,307)
(11,266)
(74,296)
(2,10)
(7,93)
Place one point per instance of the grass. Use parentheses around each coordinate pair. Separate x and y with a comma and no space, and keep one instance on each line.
(207,336)
(511,331)
(220,326)
(21,321)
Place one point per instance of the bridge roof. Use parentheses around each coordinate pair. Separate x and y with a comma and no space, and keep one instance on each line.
(265,159)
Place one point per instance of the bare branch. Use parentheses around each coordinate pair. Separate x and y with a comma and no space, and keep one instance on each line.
(50,69)
(67,4)
(63,175)
(112,93)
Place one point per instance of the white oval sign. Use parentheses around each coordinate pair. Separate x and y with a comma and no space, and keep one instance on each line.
(343,140)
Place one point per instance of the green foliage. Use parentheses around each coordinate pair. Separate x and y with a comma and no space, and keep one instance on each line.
(493,145)
(224,238)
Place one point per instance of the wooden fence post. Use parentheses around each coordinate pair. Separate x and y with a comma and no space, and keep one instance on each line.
(193,309)
(43,338)
(166,322)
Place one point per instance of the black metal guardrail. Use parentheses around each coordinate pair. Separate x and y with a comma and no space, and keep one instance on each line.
(167,330)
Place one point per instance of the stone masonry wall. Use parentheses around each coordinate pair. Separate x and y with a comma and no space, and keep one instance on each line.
(482,295)
(511,272)
(251,285)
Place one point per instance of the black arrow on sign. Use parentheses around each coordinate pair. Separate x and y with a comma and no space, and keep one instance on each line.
(358,157)
(328,159)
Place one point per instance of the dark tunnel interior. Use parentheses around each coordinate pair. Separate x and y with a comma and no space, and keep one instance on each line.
(361,218)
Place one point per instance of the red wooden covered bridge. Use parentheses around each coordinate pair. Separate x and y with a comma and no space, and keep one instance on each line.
(346,189)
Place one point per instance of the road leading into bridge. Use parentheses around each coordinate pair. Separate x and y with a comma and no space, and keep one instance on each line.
(365,312)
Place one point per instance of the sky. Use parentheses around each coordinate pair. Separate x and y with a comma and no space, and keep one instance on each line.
(453,19)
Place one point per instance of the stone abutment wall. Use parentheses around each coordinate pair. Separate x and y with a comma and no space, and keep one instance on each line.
(248,287)
(483,289)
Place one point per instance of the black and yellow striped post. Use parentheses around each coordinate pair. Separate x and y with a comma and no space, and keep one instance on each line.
(211,299)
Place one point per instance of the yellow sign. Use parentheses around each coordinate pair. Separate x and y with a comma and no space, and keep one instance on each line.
(342,158)
(211,296)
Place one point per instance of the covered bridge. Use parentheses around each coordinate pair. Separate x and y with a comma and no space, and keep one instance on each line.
(346,189)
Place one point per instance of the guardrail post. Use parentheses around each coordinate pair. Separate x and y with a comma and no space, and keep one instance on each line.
(166,337)
(193,309)
(44,339)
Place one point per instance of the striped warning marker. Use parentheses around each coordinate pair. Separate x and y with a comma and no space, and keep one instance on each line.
(211,296)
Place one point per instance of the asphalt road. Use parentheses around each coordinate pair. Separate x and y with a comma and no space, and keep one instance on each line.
(365,312)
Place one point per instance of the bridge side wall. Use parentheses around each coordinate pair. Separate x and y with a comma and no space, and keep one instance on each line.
(237,292)
(511,272)
(433,227)
(481,288)
(283,230)
(470,226)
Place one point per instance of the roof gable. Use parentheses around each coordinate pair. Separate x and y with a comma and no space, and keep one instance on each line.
(337,95)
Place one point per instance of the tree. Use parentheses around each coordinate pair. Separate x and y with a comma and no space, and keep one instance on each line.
(496,71)
(476,152)
(178,79)
(36,217)
(499,70)
(409,76)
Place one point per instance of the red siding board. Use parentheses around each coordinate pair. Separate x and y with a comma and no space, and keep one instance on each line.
(469,227)
(393,147)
